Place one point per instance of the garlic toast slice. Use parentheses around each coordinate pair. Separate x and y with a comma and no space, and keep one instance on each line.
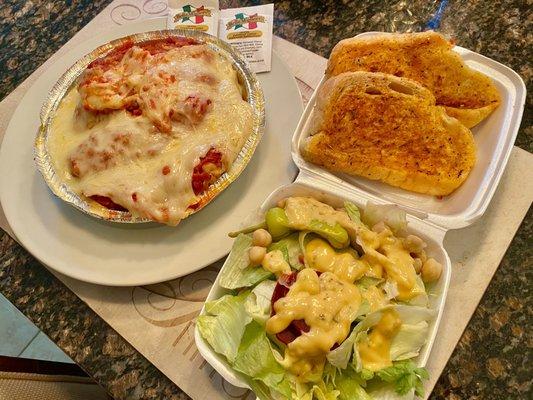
(427,58)
(389,129)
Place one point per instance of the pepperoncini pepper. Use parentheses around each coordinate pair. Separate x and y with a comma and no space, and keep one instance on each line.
(278,225)
(336,235)
(277,222)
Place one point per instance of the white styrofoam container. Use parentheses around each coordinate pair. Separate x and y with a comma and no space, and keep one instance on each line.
(324,191)
(494,139)
(428,216)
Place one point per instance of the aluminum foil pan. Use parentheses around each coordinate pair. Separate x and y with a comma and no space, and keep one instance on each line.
(254,95)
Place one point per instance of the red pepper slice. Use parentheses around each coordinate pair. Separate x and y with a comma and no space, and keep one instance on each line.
(296,327)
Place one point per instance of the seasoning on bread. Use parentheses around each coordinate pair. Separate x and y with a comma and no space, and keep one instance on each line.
(390,129)
(427,58)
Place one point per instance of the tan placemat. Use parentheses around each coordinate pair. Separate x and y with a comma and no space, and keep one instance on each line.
(158,320)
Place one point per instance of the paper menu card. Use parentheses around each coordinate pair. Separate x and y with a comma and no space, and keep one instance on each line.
(249,30)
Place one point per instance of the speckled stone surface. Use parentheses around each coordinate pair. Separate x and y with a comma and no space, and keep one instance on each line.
(77,330)
(493,359)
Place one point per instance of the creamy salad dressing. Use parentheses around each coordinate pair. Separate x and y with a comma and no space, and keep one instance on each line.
(302,210)
(374,349)
(375,297)
(383,251)
(388,252)
(329,303)
(322,257)
(149,159)
(275,263)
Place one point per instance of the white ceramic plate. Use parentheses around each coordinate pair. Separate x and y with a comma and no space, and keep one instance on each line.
(87,249)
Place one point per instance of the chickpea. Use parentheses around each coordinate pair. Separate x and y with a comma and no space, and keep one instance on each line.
(282,203)
(418,265)
(431,270)
(379,227)
(414,244)
(261,237)
(256,255)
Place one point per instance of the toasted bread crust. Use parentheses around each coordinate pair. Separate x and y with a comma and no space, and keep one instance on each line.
(427,58)
(389,129)
(471,117)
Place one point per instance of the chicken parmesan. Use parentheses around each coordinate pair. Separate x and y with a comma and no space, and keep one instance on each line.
(150,126)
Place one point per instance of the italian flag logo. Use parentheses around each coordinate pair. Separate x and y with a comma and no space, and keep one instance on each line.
(245,21)
(248,21)
(191,14)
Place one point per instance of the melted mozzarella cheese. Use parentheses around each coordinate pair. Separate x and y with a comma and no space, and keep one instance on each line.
(122,156)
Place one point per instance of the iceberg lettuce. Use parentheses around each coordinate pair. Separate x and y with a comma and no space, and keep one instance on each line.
(256,360)
(353,212)
(411,336)
(237,271)
(224,324)
(315,391)
(391,215)
(341,355)
(405,376)
(258,303)
(421,299)
(349,385)
(231,331)
(406,344)
(408,341)
(290,248)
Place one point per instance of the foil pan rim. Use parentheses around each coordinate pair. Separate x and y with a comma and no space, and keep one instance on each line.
(62,190)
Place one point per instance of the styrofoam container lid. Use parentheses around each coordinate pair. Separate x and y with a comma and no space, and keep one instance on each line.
(494,139)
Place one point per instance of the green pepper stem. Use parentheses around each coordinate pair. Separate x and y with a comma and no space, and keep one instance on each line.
(250,229)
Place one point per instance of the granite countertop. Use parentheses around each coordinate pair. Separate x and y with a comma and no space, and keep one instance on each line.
(493,357)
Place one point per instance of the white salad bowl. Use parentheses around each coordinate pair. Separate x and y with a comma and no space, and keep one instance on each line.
(432,234)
